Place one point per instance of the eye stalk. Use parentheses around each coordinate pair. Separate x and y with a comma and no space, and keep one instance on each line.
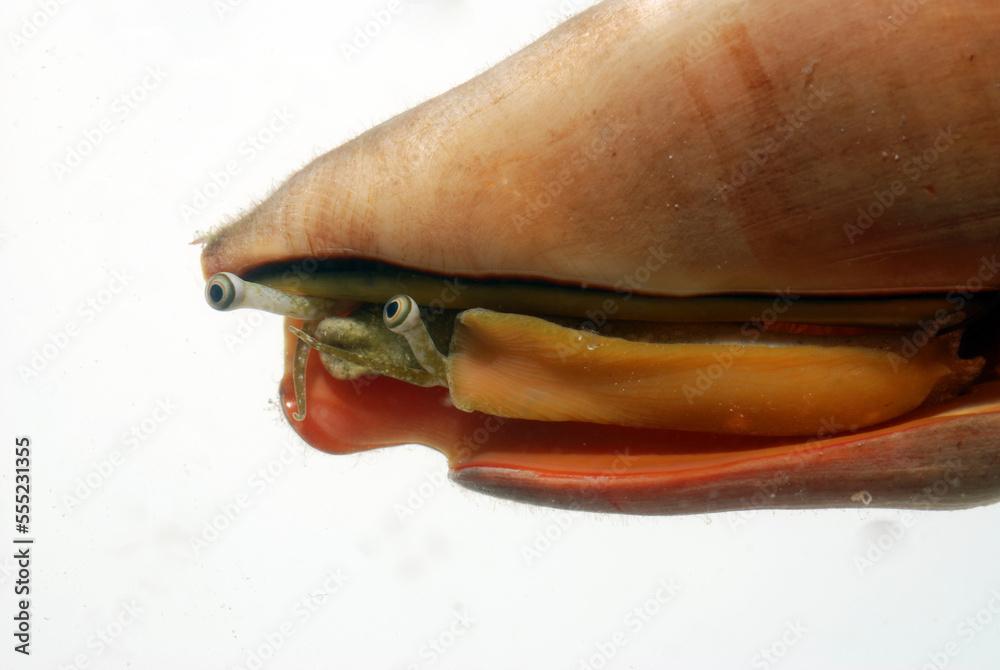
(401,315)
(221,292)
(226,292)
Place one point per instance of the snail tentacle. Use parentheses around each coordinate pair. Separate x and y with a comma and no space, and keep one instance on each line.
(226,291)
(302,348)
(402,316)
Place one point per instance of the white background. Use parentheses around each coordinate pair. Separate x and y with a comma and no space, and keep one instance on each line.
(181,523)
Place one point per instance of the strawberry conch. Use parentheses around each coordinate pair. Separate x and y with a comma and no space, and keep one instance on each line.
(667,257)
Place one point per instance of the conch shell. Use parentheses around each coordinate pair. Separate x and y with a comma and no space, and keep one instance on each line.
(673,257)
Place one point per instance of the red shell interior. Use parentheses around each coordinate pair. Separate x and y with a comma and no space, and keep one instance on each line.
(351,416)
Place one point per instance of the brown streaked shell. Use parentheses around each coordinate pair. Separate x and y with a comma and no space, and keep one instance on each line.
(686,147)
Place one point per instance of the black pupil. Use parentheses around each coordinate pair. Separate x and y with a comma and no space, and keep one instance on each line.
(392,309)
(215,292)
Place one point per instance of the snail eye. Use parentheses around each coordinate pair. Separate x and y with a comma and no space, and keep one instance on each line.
(220,292)
(401,313)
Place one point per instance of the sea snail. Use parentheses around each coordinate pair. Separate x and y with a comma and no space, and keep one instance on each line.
(674,257)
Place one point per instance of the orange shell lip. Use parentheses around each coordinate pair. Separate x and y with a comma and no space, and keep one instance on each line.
(940,458)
